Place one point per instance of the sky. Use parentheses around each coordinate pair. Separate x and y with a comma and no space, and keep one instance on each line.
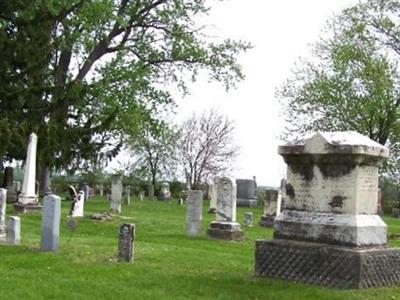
(281,32)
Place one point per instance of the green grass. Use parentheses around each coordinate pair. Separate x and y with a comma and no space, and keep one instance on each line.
(168,264)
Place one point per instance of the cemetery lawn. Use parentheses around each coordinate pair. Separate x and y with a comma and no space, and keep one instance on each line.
(168,264)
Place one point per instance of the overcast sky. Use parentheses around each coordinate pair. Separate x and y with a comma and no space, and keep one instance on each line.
(281,32)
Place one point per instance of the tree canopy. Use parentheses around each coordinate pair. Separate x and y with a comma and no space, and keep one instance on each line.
(82,73)
(352,80)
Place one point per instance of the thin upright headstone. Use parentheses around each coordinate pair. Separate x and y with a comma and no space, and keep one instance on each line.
(101,190)
(51,216)
(128,195)
(3,208)
(164,193)
(194,204)
(270,208)
(213,196)
(126,242)
(14,230)
(246,192)
(150,191)
(116,194)
(86,192)
(225,227)
(9,185)
(141,195)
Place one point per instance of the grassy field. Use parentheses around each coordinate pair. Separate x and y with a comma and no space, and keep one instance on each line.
(168,264)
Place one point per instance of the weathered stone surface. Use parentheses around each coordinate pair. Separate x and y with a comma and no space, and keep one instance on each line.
(28,194)
(225,231)
(126,242)
(248,219)
(330,228)
(164,193)
(246,193)
(26,208)
(86,192)
(141,195)
(194,203)
(77,209)
(14,231)
(226,200)
(270,208)
(331,198)
(116,194)
(327,265)
(3,208)
(102,216)
(51,216)
(150,191)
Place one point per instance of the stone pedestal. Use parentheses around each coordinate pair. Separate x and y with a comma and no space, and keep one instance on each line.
(28,194)
(270,208)
(330,233)
(126,242)
(194,204)
(51,217)
(225,227)
(14,231)
(246,193)
(3,208)
(164,193)
(116,194)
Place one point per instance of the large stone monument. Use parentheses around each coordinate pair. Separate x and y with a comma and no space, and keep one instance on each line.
(164,193)
(28,199)
(329,233)
(116,194)
(270,208)
(194,202)
(126,242)
(246,192)
(3,208)
(51,217)
(225,227)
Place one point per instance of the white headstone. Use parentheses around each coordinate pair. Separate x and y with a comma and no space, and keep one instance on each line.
(14,231)
(194,204)
(78,210)
(28,194)
(226,200)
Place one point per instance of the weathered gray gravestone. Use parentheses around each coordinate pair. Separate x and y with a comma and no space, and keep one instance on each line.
(3,208)
(213,196)
(126,242)
(329,233)
(86,191)
(116,194)
(225,227)
(150,191)
(246,192)
(164,193)
(141,195)
(248,219)
(14,230)
(128,195)
(51,216)
(270,208)
(194,203)
(101,190)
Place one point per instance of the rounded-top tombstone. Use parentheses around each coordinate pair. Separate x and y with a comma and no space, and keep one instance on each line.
(330,233)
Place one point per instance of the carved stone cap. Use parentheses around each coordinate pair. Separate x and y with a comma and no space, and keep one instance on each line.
(336,142)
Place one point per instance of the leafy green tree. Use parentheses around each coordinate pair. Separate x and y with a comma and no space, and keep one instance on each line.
(82,73)
(352,81)
(155,152)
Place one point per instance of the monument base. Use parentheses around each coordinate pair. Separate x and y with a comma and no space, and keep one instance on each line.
(267,221)
(328,265)
(246,202)
(12,197)
(225,231)
(28,207)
